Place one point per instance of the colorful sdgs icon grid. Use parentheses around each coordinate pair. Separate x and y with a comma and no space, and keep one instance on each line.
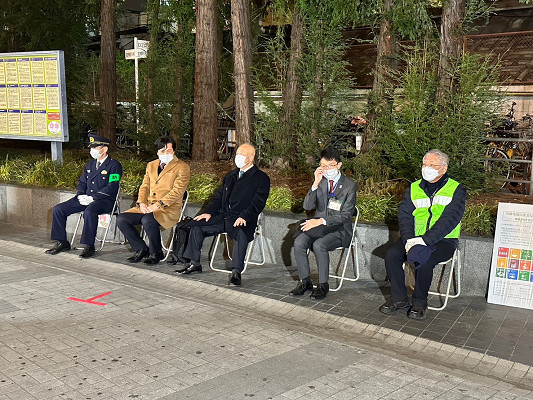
(514,264)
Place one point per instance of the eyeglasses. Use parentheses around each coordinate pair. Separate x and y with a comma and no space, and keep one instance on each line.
(330,166)
(434,166)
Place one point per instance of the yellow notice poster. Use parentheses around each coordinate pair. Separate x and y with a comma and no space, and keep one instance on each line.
(50,69)
(33,96)
(10,65)
(26,122)
(40,123)
(3,122)
(37,70)
(3,96)
(26,97)
(13,117)
(52,97)
(24,71)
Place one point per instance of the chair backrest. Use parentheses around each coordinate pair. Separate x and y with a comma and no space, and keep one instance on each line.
(116,204)
(184,204)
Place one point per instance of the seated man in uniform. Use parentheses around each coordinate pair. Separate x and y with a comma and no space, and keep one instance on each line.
(158,204)
(96,193)
(333,196)
(234,209)
(430,222)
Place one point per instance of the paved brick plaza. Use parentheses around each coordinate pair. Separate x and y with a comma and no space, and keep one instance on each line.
(166,337)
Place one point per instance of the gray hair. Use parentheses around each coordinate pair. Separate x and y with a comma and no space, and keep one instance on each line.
(443,157)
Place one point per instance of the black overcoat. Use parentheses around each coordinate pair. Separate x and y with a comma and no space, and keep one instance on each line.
(244,197)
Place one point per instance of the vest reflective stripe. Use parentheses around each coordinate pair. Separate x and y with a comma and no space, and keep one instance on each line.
(426,209)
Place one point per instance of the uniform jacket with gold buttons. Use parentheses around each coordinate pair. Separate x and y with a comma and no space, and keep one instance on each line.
(164,189)
(102,183)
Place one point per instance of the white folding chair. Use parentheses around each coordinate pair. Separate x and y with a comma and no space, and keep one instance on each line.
(454,271)
(257,234)
(350,252)
(107,218)
(168,249)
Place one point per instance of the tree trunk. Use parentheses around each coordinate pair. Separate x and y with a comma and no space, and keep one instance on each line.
(292,91)
(380,102)
(205,82)
(177,107)
(451,43)
(242,63)
(151,72)
(318,95)
(108,79)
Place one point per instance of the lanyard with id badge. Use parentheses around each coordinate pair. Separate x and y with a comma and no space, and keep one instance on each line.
(334,203)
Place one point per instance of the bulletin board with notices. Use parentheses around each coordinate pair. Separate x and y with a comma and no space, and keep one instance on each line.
(511,275)
(33,96)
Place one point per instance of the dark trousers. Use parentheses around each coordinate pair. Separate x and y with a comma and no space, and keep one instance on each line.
(90,219)
(197,234)
(126,223)
(321,247)
(394,260)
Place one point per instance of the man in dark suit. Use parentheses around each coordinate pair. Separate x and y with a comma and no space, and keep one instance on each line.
(234,209)
(96,194)
(333,196)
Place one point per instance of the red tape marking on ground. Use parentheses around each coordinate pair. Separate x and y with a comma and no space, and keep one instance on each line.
(90,301)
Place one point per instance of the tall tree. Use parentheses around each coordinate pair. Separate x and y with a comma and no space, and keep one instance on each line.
(292,90)
(451,44)
(108,73)
(242,63)
(205,82)
(155,29)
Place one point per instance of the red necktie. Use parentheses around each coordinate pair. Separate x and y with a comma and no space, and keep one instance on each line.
(331,187)
(163,165)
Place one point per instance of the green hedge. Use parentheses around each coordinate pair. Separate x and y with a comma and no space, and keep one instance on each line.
(380,207)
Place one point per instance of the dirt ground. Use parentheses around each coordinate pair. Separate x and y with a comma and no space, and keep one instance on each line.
(299,184)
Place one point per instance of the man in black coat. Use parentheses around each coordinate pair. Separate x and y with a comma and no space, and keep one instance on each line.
(234,209)
(95,194)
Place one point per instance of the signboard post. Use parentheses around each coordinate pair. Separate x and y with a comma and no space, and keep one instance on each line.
(511,273)
(140,50)
(33,101)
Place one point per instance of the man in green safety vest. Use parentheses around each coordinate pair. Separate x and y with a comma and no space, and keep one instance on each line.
(430,222)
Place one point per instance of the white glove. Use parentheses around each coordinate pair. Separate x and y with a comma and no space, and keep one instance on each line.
(85,200)
(412,242)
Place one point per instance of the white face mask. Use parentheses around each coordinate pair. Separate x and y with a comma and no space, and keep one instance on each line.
(166,158)
(429,174)
(330,174)
(240,160)
(96,154)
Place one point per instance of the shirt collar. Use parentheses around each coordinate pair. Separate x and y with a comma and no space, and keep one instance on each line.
(103,160)
(244,170)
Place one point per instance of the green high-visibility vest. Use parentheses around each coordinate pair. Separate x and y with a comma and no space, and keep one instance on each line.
(428,211)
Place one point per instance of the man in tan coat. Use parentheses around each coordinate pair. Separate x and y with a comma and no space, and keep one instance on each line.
(159,202)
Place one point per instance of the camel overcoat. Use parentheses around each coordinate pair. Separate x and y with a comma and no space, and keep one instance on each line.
(165,189)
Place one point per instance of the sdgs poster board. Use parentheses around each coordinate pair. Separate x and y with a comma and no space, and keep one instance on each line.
(511,273)
(33,96)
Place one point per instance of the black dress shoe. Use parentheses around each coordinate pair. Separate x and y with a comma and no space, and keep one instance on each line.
(235,278)
(391,307)
(88,251)
(154,258)
(136,257)
(301,288)
(189,269)
(58,248)
(320,291)
(417,312)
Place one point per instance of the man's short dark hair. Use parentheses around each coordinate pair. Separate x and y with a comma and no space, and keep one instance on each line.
(162,142)
(331,153)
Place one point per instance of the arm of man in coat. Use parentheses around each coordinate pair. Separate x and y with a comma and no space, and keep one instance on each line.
(346,211)
(258,201)
(180,184)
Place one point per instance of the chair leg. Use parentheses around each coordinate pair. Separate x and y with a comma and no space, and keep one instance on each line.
(213,254)
(350,252)
(455,270)
(168,249)
(76,230)
(262,243)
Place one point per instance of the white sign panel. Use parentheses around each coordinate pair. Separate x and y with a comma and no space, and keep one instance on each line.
(511,273)
(130,54)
